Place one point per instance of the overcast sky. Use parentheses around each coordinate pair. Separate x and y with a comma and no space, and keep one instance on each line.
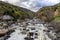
(33,5)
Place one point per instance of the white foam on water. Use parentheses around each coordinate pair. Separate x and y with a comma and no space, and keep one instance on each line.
(42,35)
(17,36)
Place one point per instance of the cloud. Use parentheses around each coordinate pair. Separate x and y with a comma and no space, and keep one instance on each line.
(33,5)
(11,1)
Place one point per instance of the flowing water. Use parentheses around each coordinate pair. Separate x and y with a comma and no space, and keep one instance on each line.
(34,27)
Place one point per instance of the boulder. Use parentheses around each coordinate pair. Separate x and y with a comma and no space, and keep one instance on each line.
(3,32)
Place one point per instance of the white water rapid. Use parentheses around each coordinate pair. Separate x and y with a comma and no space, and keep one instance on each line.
(37,30)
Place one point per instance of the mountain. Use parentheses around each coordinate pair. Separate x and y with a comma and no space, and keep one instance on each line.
(50,14)
(15,11)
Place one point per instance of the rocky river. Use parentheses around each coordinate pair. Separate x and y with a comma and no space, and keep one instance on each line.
(30,29)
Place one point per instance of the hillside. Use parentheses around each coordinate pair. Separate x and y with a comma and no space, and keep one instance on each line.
(15,11)
(50,14)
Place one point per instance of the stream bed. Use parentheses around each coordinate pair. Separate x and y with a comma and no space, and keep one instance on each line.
(31,30)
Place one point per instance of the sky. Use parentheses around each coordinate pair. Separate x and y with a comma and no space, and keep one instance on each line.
(33,5)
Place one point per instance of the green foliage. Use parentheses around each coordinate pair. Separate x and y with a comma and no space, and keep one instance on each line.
(57,18)
(15,11)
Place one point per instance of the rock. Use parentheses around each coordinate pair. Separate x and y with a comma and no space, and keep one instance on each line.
(36,33)
(55,26)
(26,38)
(31,38)
(6,37)
(58,35)
(31,33)
(3,32)
(1,38)
(10,31)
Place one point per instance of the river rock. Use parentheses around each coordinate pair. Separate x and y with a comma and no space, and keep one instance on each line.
(3,32)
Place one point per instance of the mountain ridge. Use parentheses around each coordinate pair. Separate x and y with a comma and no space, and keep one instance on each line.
(6,8)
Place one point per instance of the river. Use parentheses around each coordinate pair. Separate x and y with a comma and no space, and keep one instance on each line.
(34,30)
